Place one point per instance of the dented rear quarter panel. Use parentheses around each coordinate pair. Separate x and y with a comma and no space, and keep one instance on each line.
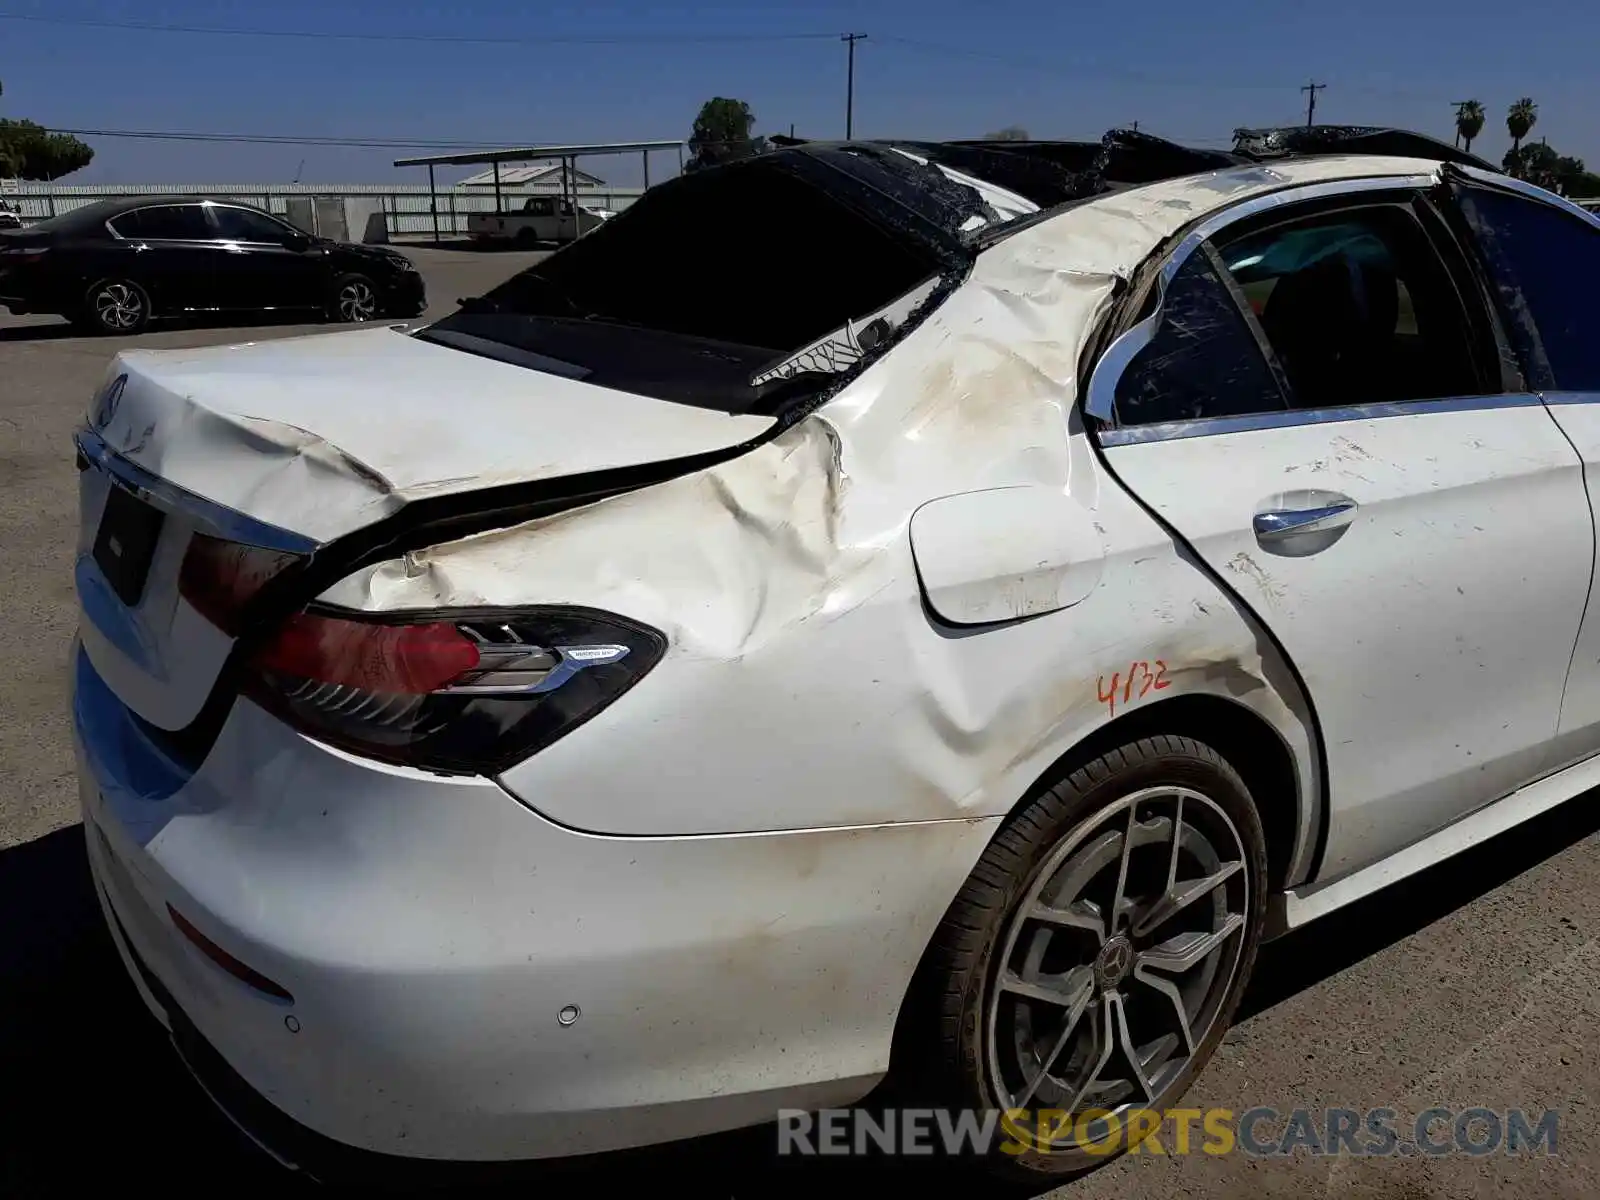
(805,674)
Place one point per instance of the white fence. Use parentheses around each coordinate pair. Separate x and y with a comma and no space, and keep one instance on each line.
(408,209)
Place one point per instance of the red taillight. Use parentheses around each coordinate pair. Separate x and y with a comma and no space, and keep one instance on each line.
(406,660)
(218,578)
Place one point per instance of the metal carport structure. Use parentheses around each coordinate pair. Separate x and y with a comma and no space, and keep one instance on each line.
(567,155)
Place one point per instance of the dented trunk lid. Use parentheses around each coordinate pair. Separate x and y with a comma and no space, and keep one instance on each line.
(323,435)
(289,445)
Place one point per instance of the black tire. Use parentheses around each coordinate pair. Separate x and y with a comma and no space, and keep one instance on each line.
(960,973)
(525,239)
(115,307)
(355,300)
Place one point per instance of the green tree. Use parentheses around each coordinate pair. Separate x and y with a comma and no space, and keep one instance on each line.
(1520,120)
(1469,121)
(1011,133)
(29,151)
(722,134)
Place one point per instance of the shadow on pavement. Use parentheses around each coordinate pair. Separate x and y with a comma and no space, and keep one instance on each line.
(98,1096)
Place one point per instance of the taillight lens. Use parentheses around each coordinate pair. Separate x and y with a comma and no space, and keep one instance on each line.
(218,578)
(468,693)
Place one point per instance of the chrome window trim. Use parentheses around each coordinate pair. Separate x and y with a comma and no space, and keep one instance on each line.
(1100,396)
(121,237)
(1167,431)
(259,212)
(212,518)
(1529,191)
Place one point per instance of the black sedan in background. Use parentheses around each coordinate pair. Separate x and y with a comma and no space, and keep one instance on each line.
(114,266)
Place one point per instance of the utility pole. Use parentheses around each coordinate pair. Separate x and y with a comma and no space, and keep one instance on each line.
(850,84)
(1311,89)
(1460,106)
(1136,127)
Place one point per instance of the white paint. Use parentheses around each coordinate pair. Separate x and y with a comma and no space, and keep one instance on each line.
(1005,553)
(327,433)
(1578,415)
(430,930)
(1302,905)
(1434,635)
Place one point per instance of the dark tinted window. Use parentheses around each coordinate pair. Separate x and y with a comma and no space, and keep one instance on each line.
(1552,258)
(167,221)
(243,225)
(1357,307)
(1203,360)
(748,254)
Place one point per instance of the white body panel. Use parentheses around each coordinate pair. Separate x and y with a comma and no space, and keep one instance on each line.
(432,930)
(1434,636)
(327,433)
(1578,414)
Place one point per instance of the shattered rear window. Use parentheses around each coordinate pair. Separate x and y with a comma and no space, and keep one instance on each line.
(742,289)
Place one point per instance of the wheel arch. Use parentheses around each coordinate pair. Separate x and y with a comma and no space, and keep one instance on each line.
(1244,738)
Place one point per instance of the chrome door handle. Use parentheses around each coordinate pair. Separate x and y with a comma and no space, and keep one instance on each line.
(1287,522)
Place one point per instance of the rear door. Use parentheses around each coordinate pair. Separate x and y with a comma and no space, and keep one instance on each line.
(1321,410)
(1544,258)
(173,255)
(264,264)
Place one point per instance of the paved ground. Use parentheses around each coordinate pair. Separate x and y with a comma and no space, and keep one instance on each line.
(1475,985)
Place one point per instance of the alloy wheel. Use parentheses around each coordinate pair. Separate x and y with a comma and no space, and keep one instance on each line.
(119,306)
(1116,965)
(357,301)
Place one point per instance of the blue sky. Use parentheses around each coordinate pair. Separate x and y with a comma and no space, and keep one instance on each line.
(932,68)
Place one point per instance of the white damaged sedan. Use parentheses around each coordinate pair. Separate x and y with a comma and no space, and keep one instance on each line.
(949,598)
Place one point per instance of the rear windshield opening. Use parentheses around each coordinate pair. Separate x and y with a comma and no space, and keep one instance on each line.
(741,289)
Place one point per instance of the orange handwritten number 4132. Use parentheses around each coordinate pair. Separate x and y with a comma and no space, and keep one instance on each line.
(1140,681)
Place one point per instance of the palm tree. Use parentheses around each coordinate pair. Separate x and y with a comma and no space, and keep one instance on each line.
(1469,121)
(1520,120)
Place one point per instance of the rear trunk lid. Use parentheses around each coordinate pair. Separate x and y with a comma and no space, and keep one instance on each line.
(240,459)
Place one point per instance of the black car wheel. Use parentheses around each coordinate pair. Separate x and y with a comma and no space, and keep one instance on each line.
(1093,961)
(116,306)
(354,299)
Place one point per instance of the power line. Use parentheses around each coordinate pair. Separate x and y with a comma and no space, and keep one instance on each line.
(653,38)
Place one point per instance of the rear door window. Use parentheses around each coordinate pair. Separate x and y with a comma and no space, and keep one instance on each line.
(1357,307)
(167,222)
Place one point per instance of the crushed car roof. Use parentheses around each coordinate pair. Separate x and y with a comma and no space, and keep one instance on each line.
(1052,173)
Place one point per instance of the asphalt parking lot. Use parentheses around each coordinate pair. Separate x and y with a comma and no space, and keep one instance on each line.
(1477,984)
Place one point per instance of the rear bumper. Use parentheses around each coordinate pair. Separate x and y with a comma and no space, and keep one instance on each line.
(432,931)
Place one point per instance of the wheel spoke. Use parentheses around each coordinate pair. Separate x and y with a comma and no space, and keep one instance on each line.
(1062,990)
(1125,1039)
(1080,914)
(1184,950)
(1179,896)
(1169,989)
(1118,899)
(1105,1038)
(1075,1011)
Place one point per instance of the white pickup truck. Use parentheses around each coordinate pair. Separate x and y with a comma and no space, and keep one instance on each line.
(541,219)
